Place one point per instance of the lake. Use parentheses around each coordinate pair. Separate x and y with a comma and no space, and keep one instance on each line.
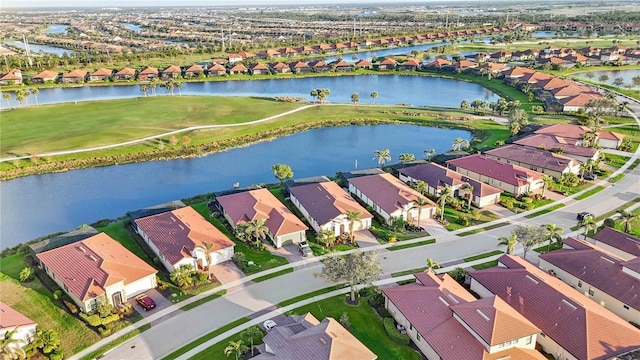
(626,74)
(40,48)
(132,27)
(56,29)
(392,89)
(38,205)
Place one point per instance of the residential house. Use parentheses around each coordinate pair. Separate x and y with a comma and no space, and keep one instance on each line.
(246,55)
(171,72)
(341,66)
(238,69)
(387,64)
(194,70)
(75,77)
(325,207)
(364,64)
(445,321)
(13,77)
(572,326)
(319,66)
(323,48)
(479,57)
(561,145)
(240,208)
(300,67)
(306,50)
(606,139)
(577,102)
(125,74)
(259,69)
(617,242)
(601,276)
(101,75)
(148,73)
(101,267)
(534,77)
(11,320)
(279,68)
(543,161)
(304,337)
(610,56)
(269,54)
(234,58)
(391,198)
(181,237)
(572,90)
(437,64)
(517,72)
(409,65)
(288,52)
(577,59)
(492,69)
(463,65)
(501,56)
(508,177)
(45,77)
(437,176)
(217,70)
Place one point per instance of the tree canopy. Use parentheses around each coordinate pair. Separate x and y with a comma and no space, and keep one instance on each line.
(357,268)
(282,172)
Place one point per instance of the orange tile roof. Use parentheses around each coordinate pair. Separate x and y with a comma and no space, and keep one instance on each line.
(246,55)
(364,62)
(195,68)
(411,62)
(261,204)
(76,74)
(102,72)
(279,65)
(580,99)
(149,70)
(388,61)
(238,67)
(126,71)
(11,75)
(258,66)
(299,65)
(439,62)
(217,67)
(11,319)
(172,69)
(47,74)
(177,233)
(98,262)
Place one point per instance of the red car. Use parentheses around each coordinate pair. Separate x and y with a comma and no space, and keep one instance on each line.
(145,301)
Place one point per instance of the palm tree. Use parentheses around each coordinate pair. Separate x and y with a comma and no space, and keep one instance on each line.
(257,229)
(179,87)
(355,98)
(10,347)
(327,237)
(510,242)
(589,225)
(547,181)
(382,156)
(428,154)
(152,85)
(250,333)
(459,144)
(468,190)
(421,202)
(352,217)
(432,264)
(35,92)
(445,194)
(6,96)
(420,186)
(553,233)
(208,248)
(405,158)
(374,95)
(626,218)
(236,347)
(181,276)
(144,89)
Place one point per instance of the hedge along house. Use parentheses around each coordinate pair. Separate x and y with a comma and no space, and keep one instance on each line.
(180,237)
(243,207)
(391,198)
(87,265)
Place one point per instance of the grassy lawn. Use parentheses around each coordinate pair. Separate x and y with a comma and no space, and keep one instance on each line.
(453,217)
(616,178)
(310,295)
(616,160)
(569,191)
(272,275)
(482,256)
(595,190)
(635,224)
(543,249)
(103,349)
(486,265)
(486,228)
(545,211)
(366,325)
(407,246)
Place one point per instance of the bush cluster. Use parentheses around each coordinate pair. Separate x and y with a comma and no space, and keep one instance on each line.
(393,333)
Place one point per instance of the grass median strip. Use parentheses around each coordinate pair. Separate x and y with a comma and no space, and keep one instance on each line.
(116,342)
(490,227)
(272,275)
(309,295)
(482,256)
(407,246)
(545,211)
(616,178)
(595,190)
(203,300)
(408,272)
(486,265)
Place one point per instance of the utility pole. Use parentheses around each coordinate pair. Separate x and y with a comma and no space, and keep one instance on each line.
(446,24)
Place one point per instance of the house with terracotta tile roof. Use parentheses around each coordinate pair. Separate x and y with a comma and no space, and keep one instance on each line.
(306,50)
(279,68)
(11,320)
(543,161)
(576,102)
(269,53)
(437,176)
(13,77)
(409,65)
(217,70)
(341,66)
(75,77)
(508,177)
(259,69)
(243,207)
(101,75)
(601,276)
(617,242)
(534,77)
(445,321)
(391,198)
(234,58)
(492,68)
(304,337)
(180,237)
(517,72)
(364,64)
(387,64)
(148,73)
(572,326)
(194,70)
(325,204)
(300,67)
(437,63)
(171,72)
(238,69)
(125,74)
(572,90)
(465,65)
(606,139)
(566,146)
(45,77)
(101,267)
(319,66)
(246,55)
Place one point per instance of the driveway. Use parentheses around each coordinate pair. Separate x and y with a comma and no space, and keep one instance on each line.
(161,303)
(365,238)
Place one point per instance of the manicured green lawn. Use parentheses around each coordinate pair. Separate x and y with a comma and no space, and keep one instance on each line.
(616,160)
(595,190)
(406,246)
(486,265)
(482,256)
(452,215)
(366,325)
(545,211)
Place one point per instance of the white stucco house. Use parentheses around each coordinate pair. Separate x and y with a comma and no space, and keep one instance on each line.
(11,320)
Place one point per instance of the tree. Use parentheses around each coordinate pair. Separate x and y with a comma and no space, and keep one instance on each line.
(468,191)
(428,154)
(144,89)
(517,119)
(320,94)
(547,181)
(590,75)
(421,202)
(7,96)
(420,186)
(459,144)
(374,96)
(10,347)
(357,268)
(635,80)
(47,340)
(476,105)
(182,276)
(382,156)
(355,98)
(20,95)
(208,248)
(618,81)
(282,172)
(529,236)
(251,333)
(152,85)
(459,274)
(173,141)
(25,274)
(352,217)
(589,224)
(626,219)
(465,105)
(552,233)
(179,85)
(603,78)
(256,229)
(327,237)
(445,194)
(186,140)
(432,264)
(235,347)
(405,158)
(35,92)
(510,242)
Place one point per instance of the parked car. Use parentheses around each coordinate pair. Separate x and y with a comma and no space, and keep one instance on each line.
(590,176)
(146,302)
(269,324)
(583,215)
(304,248)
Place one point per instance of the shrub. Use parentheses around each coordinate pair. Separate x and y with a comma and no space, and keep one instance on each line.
(56,355)
(463,220)
(202,277)
(93,320)
(507,202)
(344,320)
(104,331)
(71,306)
(609,222)
(57,294)
(393,333)
(109,319)
(458,274)
(161,285)
(527,200)
(383,312)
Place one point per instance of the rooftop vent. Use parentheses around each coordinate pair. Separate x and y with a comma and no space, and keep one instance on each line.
(323,341)
(483,315)
(532,279)
(443,300)
(607,259)
(569,304)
